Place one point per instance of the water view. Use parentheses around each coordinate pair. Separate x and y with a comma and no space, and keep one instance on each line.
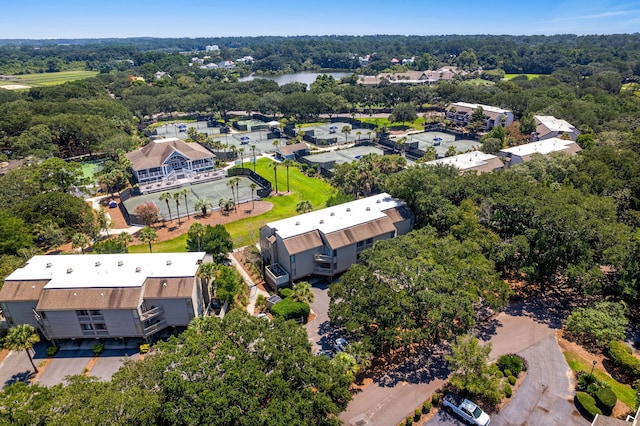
(306,77)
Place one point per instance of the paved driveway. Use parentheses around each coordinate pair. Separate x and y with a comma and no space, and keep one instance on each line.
(543,398)
(321,335)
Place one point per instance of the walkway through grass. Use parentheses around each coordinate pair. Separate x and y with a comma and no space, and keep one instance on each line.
(247,231)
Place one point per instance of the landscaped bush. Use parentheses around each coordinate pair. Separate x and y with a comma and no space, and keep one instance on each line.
(621,357)
(512,380)
(605,400)
(52,350)
(587,403)
(426,407)
(144,348)
(507,390)
(408,421)
(508,373)
(435,399)
(513,363)
(261,303)
(499,374)
(288,309)
(417,414)
(97,349)
(585,380)
(286,292)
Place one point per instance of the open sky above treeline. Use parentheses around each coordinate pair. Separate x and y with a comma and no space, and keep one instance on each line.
(41,19)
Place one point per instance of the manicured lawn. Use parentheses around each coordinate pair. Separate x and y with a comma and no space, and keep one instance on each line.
(246,231)
(623,392)
(418,124)
(529,76)
(54,78)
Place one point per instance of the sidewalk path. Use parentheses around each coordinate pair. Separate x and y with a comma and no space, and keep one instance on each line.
(254,290)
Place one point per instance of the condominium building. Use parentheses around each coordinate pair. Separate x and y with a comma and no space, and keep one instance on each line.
(327,242)
(105,295)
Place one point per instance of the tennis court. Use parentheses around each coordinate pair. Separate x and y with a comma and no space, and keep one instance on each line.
(212,191)
(340,156)
(442,141)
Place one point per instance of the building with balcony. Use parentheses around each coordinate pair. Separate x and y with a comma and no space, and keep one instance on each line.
(105,295)
(521,153)
(475,161)
(461,113)
(547,127)
(170,158)
(327,242)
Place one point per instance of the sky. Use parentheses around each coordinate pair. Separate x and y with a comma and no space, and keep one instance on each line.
(43,19)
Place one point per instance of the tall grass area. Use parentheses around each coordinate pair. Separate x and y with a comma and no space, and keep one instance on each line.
(624,392)
(246,231)
(529,76)
(417,124)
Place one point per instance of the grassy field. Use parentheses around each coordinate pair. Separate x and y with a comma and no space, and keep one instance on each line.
(418,124)
(50,79)
(622,391)
(529,76)
(246,231)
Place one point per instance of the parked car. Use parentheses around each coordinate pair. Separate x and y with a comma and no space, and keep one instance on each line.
(328,354)
(340,345)
(468,411)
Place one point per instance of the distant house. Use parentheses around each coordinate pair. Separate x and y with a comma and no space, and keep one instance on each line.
(548,126)
(212,48)
(521,153)
(412,77)
(161,74)
(105,295)
(471,161)
(289,152)
(364,61)
(227,64)
(327,242)
(461,113)
(171,157)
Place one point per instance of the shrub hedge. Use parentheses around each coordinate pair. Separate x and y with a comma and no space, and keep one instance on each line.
(288,309)
(621,357)
(286,292)
(417,414)
(435,399)
(507,390)
(512,380)
(513,363)
(426,407)
(605,400)
(587,403)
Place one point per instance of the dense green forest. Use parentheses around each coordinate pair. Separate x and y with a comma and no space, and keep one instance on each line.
(563,221)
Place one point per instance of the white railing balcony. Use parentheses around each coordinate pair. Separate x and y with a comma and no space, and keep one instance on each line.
(319,257)
(152,329)
(151,313)
(318,270)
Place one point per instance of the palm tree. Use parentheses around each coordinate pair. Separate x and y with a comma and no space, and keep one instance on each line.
(184,193)
(176,197)
(359,134)
(304,206)
(22,337)
(253,187)
(369,135)
(197,229)
(302,292)
(231,184)
(148,235)
(253,152)
(241,152)
(226,204)
(203,205)
(166,196)
(79,240)
(276,144)
(287,163)
(346,130)
(125,239)
(103,220)
(275,165)
(207,271)
(236,180)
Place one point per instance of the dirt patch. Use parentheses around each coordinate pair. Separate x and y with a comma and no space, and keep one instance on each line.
(87,369)
(41,367)
(117,219)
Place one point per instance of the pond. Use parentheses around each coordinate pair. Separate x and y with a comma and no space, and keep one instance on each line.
(306,77)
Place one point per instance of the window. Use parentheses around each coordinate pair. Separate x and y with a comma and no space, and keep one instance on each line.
(86,327)
(292,259)
(369,241)
(43,315)
(82,313)
(96,312)
(360,244)
(100,326)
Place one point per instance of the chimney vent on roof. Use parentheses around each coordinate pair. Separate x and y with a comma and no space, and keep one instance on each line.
(169,262)
(97,263)
(297,222)
(69,270)
(120,263)
(348,209)
(49,264)
(164,283)
(321,220)
(332,214)
(138,269)
(368,208)
(378,201)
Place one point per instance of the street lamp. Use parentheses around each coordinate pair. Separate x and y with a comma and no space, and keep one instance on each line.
(592,367)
